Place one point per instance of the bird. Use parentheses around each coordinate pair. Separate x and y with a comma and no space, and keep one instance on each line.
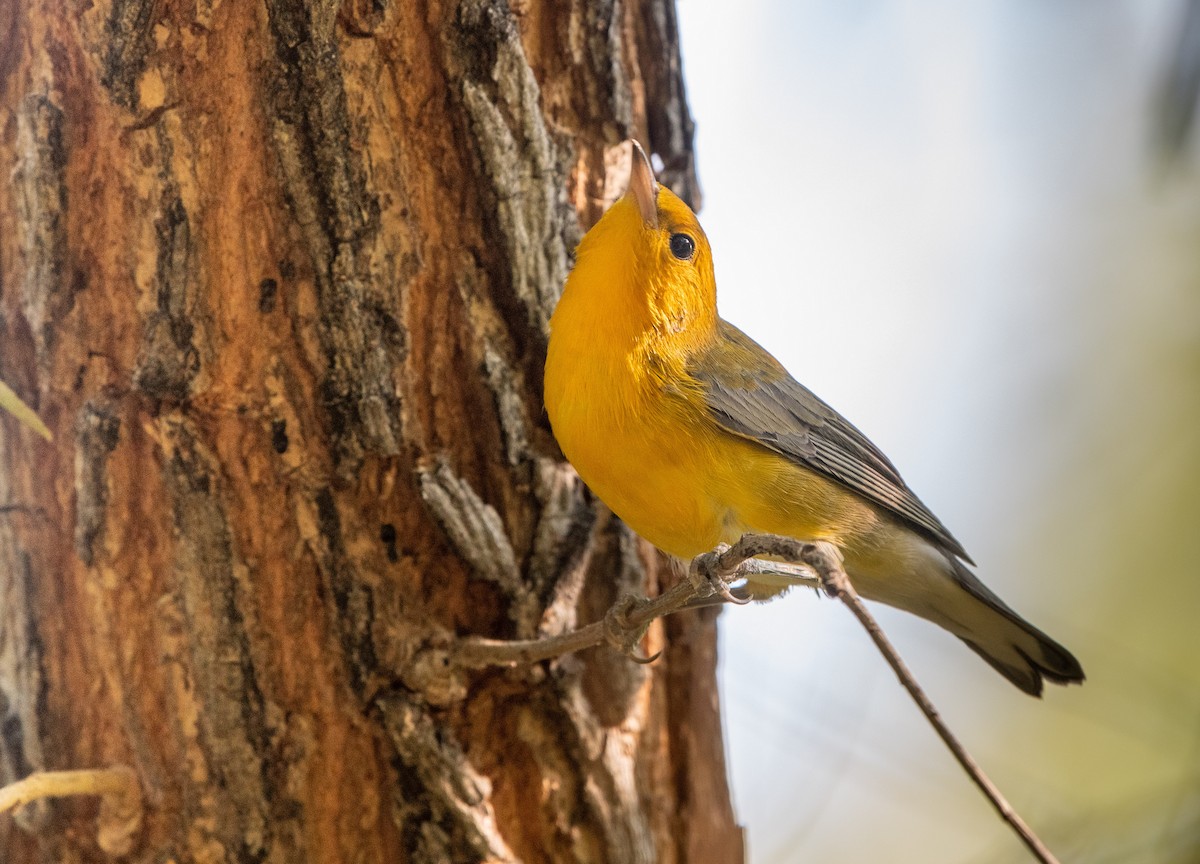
(694,435)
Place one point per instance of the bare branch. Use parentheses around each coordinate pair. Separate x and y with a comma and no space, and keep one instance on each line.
(709,575)
(1035,845)
(826,560)
(618,623)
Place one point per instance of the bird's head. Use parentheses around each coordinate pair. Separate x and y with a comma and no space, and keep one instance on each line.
(650,250)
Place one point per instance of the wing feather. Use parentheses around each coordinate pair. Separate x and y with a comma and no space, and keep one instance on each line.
(751,395)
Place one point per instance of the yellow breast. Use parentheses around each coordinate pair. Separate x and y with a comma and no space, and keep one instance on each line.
(634,423)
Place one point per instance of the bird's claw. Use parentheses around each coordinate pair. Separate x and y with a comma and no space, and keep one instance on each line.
(623,635)
(709,579)
(826,560)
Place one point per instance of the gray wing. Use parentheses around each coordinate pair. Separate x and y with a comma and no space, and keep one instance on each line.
(751,395)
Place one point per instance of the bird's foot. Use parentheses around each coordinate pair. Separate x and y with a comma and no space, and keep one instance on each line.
(622,634)
(826,559)
(710,578)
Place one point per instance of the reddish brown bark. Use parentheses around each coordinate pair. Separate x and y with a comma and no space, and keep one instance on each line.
(277,276)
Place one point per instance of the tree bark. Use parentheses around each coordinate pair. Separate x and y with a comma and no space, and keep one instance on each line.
(277,275)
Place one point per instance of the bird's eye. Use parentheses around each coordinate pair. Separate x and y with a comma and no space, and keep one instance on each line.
(682,246)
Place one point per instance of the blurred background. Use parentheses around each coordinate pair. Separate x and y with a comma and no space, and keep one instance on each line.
(953,223)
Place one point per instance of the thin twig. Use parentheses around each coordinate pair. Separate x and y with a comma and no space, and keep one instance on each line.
(981,779)
(623,622)
(627,620)
(826,560)
(477,653)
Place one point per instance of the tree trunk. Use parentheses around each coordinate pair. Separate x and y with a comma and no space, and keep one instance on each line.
(278,277)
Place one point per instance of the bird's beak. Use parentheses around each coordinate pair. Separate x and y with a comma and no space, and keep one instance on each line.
(643,187)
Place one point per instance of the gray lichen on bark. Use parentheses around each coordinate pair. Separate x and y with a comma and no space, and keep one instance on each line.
(236,521)
(598,49)
(41,204)
(504,382)
(518,157)
(21,682)
(562,537)
(600,812)
(477,533)
(170,358)
(322,174)
(611,682)
(97,433)
(219,616)
(493,347)
(352,592)
(443,810)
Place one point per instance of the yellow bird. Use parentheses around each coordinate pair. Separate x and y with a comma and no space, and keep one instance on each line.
(694,435)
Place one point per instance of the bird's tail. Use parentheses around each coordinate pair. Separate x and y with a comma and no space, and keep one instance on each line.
(1011,645)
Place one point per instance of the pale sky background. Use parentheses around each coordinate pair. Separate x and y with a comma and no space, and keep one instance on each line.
(944,219)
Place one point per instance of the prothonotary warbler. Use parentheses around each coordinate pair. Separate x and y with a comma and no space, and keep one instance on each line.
(693,435)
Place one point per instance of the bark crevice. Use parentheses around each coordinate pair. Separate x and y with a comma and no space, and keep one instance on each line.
(278,279)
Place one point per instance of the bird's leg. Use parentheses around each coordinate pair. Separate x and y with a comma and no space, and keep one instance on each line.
(622,634)
(826,559)
(709,576)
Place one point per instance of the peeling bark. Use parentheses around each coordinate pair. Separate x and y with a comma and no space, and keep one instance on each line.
(278,277)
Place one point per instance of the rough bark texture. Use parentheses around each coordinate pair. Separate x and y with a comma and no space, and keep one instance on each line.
(278,276)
